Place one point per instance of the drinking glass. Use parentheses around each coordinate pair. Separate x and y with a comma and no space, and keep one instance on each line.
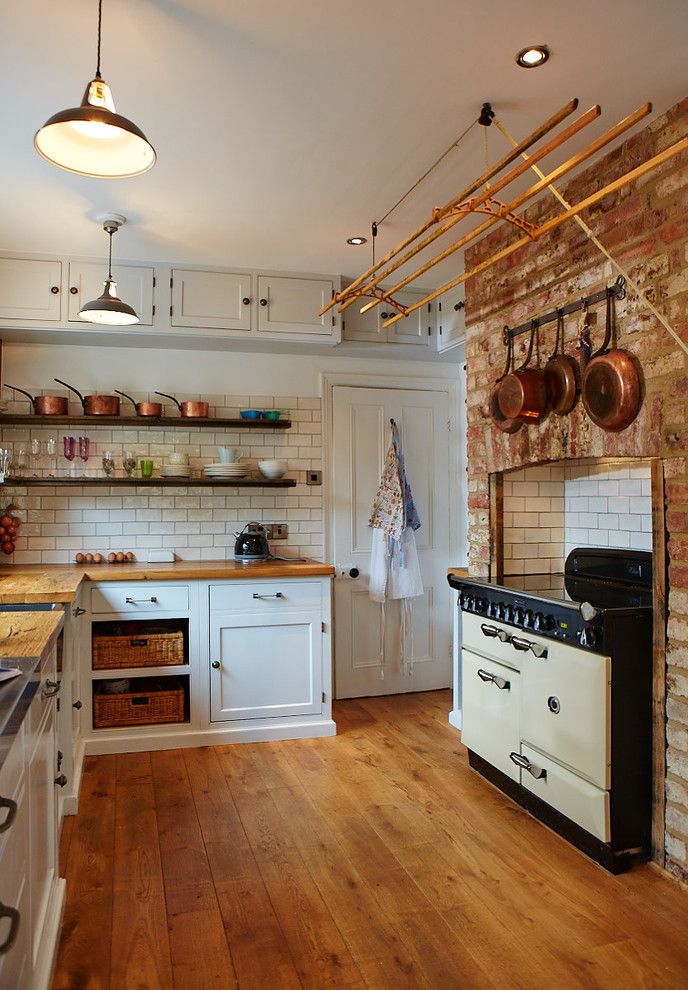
(129,463)
(84,448)
(108,463)
(146,468)
(35,456)
(20,459)
(51,450)
(69,447)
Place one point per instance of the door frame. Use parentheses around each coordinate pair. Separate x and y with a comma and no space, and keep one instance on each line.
(454,389)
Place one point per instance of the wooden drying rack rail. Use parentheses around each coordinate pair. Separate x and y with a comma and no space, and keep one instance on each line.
(617,290)
(467,203)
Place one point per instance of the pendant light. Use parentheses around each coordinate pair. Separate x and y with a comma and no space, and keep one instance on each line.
(108,309)
(92,139)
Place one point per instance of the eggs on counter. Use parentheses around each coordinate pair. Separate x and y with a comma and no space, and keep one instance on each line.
(114,557)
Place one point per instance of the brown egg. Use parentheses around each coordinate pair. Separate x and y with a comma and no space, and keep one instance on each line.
(89,558)
(130,556)
(112,557)
(97,558)
(79,558)
(120,557)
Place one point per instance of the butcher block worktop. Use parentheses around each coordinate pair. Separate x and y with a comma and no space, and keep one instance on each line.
(460,572)
(40,583)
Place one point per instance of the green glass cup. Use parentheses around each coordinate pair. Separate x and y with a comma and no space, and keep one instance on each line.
(146,468)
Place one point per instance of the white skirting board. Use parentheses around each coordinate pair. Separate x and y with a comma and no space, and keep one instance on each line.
(47,956)
(455,718)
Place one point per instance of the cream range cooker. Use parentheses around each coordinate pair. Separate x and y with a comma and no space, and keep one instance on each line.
(556,682)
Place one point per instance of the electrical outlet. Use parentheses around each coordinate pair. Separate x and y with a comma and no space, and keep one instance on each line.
(276,531)
(314,477)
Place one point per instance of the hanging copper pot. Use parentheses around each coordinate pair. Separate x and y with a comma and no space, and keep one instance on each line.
(561,375)
(611,384)
(522,393)
(501,421)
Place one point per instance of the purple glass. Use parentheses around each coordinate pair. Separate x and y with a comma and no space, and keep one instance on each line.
(69,448)
(84,450)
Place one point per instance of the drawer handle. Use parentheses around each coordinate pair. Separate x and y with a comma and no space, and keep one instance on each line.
(50,689)
(493,631)
(525,764)
(11,812)
(61,780)
(499,682)
(140,701)
(77,611)
(141,601)
(13,915)
(278,594)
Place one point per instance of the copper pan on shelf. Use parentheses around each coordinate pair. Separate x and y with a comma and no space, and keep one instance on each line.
(45,405)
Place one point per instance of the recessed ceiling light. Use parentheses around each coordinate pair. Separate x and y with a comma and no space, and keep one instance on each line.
(534,55)
(356,241)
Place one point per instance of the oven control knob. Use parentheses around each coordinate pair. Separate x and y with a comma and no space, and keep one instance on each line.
(518,616)
(481,605)
(503,611)
(528,619)
(467,603)
(543,622)
(587,636)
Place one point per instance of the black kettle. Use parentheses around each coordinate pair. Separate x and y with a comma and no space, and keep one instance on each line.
(251,543)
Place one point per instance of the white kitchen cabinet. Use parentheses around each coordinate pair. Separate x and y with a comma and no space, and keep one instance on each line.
(40,786)
(491,710)
(451,318)
(134,286)
(416,329)
(221,300)
(30,290)
(291,307)
(265,665)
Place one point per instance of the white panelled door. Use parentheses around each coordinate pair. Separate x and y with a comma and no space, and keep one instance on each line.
(360,437)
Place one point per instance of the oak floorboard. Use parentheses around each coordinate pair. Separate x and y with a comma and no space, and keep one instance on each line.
(375,859)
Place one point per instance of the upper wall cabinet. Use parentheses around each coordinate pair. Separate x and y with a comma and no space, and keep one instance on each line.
(134,286)
(291,306)
(30,289)
(221,300)
(451,322)
(416,329)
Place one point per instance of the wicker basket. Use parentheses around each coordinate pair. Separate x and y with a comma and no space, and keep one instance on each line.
(111,711)
(150,650)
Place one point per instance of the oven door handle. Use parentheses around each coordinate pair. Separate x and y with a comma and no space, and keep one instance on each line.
(538,772)
(521,644)
(494,633)
(499,682)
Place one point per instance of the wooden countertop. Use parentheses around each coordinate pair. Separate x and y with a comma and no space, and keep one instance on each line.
(39,583)
(28,635)
(460,572)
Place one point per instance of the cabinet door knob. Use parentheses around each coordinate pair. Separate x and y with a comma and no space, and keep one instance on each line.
(263,302)
(215,665)
(11,812)
(354,572)
(384,315)
(74,290)
(60,780)
(78,705)
(13,915)
(246,300)
(54,289)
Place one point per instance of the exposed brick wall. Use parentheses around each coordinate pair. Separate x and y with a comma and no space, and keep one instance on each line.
(645,226)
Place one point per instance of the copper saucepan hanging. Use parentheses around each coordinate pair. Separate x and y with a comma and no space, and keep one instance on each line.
(611,384)
(561,375)
(501,421)
(143,409)
(45,405)
(94,405)
(522,393)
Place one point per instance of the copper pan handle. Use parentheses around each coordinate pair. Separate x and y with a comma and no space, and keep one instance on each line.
(607,329)
(23,392)
(525,364)
(176,401)
(72,389)
(133,401)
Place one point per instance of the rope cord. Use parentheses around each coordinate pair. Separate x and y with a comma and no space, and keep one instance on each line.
(598,244)
(100,19)
(486,155)
(455,143)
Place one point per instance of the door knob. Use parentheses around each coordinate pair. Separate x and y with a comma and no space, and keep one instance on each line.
(77,704)
(354,572)
(215,665)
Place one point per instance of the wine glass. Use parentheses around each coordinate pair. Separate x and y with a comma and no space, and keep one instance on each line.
(35,456)
(129,463)
(84,449)
(69,448)
(51,450)
(108,463)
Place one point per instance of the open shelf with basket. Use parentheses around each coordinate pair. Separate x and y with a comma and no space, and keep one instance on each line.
(149,700)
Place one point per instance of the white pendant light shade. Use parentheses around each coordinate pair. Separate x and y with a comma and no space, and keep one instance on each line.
(107,309)
(93,139)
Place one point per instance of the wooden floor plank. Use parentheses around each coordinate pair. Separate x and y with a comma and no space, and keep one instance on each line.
(376,859)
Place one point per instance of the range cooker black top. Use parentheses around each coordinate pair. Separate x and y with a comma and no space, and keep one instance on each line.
(575,606)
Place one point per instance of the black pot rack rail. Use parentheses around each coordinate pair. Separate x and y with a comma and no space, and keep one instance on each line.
(616,290)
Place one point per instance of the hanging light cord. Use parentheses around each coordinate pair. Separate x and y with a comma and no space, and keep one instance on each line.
(110,231)
(100,19)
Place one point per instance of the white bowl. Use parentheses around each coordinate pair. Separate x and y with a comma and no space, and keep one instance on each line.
(177,458)
(272,469)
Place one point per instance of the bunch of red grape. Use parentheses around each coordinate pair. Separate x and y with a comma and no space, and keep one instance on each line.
(9,527)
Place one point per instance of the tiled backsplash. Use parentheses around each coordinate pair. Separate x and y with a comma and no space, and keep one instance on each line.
(198,523)
(550,509)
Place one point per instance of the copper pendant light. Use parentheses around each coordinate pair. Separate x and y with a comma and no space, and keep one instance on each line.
(108,309)
(93,139)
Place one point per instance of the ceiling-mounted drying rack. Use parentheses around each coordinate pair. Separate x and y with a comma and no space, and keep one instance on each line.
(617,290)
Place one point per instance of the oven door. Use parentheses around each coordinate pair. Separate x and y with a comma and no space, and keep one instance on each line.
(566,709)
(491,697)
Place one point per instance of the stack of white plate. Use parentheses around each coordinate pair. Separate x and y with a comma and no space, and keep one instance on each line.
(225,470)
(175,471)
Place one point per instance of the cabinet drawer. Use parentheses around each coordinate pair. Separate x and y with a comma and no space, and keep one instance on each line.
(582,802)
(12,769)
(140,597)
(478,634)
(13,849)
(490,710)
(271,595)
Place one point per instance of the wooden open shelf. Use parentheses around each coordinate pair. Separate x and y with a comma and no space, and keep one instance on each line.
(189,423)
(152,482)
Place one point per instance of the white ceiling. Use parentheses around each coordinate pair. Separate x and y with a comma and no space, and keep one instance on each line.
(282,128)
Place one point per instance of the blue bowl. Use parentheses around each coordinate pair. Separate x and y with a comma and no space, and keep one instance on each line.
(251,414)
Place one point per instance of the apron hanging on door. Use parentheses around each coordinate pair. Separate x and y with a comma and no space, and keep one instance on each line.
(394,566)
